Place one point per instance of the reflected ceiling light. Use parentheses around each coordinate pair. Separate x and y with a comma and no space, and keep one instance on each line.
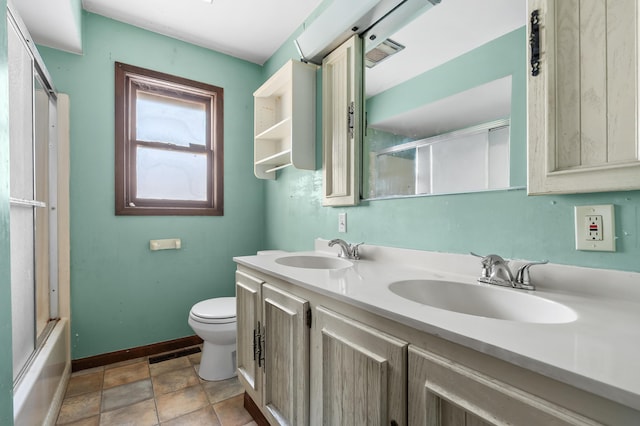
(381,52)
(339,21)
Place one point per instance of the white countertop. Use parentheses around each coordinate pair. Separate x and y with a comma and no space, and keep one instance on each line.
(599,352)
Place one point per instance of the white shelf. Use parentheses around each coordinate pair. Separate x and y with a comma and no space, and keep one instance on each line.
(273,169)
(279,130)
(284,120)
(277,158)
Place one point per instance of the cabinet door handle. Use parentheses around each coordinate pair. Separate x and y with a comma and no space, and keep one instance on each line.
(255,343)
(261,346)
(534,42)
(351,108)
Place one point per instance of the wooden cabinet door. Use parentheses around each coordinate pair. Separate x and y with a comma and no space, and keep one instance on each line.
(286,357)
(445,393)
(362,376)
(342,108)
(583,103)
(248,296)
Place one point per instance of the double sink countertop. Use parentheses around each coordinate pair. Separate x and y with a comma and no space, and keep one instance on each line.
(599,352)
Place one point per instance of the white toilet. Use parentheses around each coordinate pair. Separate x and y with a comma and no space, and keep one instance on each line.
(214,320)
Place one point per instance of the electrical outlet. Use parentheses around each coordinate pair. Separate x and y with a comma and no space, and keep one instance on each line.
(593,223)
(595,228)
(342,222)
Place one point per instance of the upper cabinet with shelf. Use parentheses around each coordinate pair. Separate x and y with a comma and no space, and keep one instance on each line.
(284,120)
(583,101)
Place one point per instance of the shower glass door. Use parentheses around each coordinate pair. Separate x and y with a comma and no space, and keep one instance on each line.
(32,197)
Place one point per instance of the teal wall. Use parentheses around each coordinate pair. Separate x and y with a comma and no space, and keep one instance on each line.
(509,223)
(6,363)
(122,294)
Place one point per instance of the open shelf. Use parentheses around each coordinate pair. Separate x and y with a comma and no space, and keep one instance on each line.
(284,120)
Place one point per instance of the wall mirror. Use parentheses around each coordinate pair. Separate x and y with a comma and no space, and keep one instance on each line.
(438,108)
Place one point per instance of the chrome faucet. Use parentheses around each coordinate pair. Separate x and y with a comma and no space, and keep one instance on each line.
(348,251)
(495,270)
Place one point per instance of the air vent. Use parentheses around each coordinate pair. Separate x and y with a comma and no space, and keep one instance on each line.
(381,52)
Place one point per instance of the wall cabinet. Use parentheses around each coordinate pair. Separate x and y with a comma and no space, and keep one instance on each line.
(342,110)
(273,349)
(362,377)
(583,99)
(285,120)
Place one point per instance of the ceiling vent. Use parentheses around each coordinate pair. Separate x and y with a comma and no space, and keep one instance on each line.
(381,52)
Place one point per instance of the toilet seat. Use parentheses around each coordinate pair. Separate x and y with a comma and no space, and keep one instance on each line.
(220,310)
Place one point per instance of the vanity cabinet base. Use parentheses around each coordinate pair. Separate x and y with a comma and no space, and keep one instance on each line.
(443,392)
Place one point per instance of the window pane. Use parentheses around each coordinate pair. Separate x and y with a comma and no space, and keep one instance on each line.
(170,175)
(170,120)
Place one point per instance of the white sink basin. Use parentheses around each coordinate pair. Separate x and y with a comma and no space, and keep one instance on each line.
(313,262)
(483,301)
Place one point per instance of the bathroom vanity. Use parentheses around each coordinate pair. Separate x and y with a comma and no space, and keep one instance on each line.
(392,339)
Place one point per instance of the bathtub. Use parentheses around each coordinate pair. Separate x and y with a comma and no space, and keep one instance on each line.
(38,396)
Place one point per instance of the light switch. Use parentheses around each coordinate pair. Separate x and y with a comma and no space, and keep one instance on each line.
(342,222)
(595,228)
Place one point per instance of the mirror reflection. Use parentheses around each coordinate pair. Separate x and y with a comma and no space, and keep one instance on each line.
(438,108)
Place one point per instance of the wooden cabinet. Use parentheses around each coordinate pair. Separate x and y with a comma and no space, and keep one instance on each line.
(285,120)
(443,393)
(286,357)
(361,379)
(583,102)
(342,111)
(273,350)
(352,367)
(249,327)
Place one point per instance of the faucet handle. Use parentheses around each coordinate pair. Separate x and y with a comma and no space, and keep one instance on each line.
(485,268)
(523,279)
(354,251)
(487,262)
(490,259)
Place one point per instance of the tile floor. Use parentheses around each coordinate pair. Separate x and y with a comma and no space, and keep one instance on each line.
(140,393)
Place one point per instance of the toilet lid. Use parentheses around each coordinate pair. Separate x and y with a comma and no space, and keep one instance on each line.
(217,308)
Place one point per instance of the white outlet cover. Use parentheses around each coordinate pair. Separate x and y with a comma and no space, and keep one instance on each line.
(583,240)
(342,222)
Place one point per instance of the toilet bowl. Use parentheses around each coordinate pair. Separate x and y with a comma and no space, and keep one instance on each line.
(214,320)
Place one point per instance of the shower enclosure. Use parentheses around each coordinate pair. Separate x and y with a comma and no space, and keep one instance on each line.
(40,362)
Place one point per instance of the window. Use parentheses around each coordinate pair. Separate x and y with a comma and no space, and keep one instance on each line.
(169,144)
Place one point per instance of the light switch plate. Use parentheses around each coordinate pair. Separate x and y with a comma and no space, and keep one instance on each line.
(595,228)
(342,222)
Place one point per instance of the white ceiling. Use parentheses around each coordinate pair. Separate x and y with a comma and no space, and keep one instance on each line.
(480,104)
(52,23)
(254,29)
(450,29)
(248,29)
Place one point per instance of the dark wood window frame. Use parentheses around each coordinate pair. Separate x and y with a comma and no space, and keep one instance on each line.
(128,80)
